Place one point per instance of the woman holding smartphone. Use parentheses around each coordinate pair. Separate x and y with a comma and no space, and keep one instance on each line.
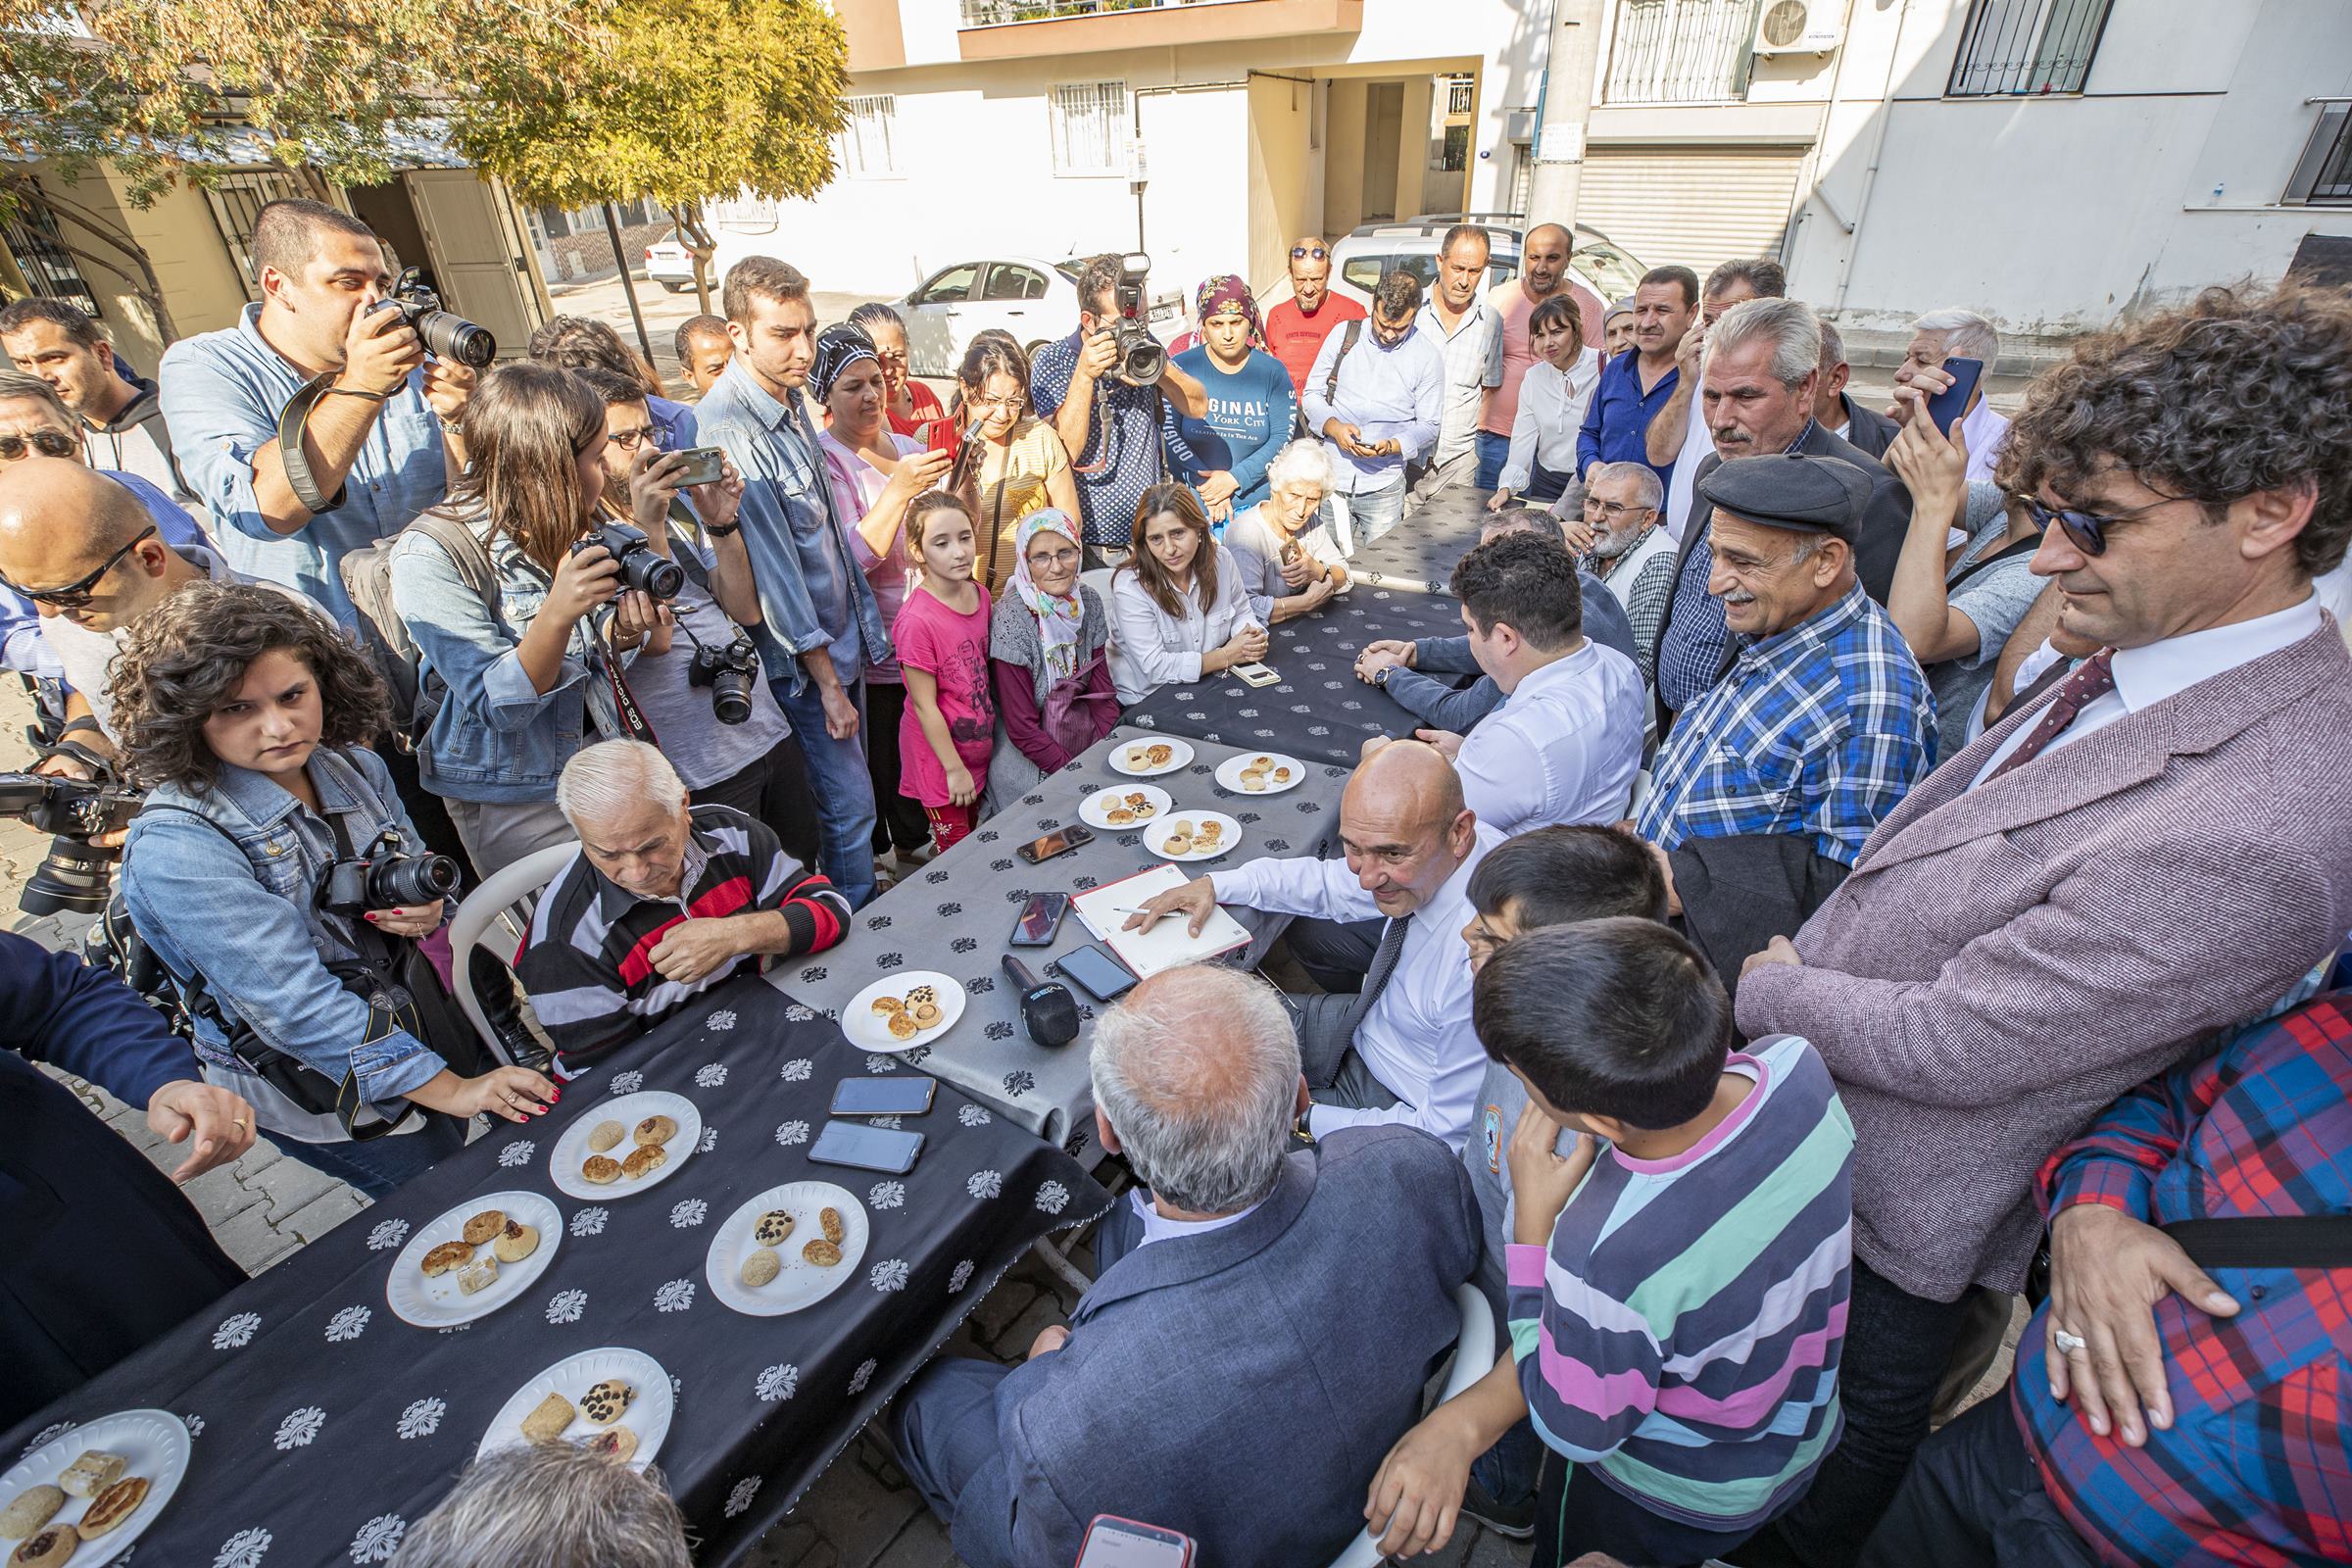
(911,407)
(1011,461)
(248,717)
(1178,607)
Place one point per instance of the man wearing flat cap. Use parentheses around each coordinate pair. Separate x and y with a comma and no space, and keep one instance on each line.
(1767,785)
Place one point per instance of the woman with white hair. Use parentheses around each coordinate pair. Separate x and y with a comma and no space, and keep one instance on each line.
(550,1503)
(1290,562)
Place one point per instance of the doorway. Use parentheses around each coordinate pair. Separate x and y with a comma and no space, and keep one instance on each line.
(1384,131)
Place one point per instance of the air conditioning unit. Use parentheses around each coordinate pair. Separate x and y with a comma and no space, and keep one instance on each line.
(1798,27)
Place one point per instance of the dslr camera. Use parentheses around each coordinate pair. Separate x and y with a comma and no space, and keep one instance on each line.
(729,672)
(74,876)
(385,878)
(642,567)
(446,335)
(1143,361)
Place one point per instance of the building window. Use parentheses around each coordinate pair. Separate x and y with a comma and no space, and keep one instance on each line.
(864,149)
(1090,127)
(1461,94)
(1681,51)
(2324,173)
(237,199)
(1456,157)
(2023,48)
(32,237)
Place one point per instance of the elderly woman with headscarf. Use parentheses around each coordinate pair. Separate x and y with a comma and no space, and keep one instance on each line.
(1251,406)
(1046,649)
(874,473)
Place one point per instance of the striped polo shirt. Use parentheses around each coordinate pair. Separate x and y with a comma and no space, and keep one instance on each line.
(1681,1336)
(588,960)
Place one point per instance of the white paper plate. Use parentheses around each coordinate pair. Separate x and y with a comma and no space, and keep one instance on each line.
(571,1149)
(154,1444)
(869,1031)
(1229,773)
(1156,838)
(801,1282)
(1180,756)
(647,1414)
(435,1302)
(1095,810)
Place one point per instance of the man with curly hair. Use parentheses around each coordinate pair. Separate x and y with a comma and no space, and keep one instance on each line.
(2158,848)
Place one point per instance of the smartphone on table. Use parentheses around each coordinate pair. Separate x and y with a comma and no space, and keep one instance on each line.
(1041,920)
(907,1094)
(1115,1543)
(868,1148)
(1947,406)
(1061,841)
(1094,970)
(704,466)
(1256,674)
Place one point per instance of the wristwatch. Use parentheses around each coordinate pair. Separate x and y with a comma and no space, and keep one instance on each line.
(1304,1129)
(1380,676)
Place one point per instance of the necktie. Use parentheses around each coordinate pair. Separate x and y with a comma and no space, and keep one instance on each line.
(1383,969)
(2093,679)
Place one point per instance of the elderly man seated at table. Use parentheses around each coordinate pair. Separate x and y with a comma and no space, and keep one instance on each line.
(1566,744)
(661,902)
(1631,555)
(1237,1369)
(1401,1049)
(1766,787)
(1410,671)
(1290,562)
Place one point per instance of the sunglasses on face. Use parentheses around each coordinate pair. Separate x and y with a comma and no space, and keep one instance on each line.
(2086,529)
(1308,253)
(76,593)
(48,443)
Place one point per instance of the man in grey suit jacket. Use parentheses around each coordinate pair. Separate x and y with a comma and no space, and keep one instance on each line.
(1260,1332)
(2082,898)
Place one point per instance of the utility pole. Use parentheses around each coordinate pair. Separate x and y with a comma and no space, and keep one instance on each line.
(1567,103)
(627,289)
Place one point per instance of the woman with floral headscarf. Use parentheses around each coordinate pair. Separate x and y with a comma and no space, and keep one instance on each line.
(1045,653)
(874,473)
(1251,406)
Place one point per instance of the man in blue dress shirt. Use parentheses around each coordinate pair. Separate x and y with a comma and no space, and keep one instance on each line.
(1636,384)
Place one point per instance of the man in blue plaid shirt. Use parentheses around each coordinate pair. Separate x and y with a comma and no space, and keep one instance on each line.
(1824,720)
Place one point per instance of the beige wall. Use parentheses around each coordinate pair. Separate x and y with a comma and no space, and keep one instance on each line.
(200,290)
(1285,192)
(1344,157)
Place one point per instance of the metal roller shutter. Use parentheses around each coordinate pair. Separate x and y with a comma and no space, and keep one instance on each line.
(1692,206)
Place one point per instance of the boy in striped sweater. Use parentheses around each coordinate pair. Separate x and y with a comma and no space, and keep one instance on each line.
(1678,1283)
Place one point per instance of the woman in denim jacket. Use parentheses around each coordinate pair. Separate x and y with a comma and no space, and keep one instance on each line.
(248,716)
(525,675)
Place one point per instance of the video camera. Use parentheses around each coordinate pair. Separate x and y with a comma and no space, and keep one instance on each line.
(74,876)
(445,335)
(729,672)
(1143,361)
(642,567)
(384,878)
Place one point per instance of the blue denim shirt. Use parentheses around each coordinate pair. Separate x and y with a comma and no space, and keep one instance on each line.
(233,902)
(811,594)
(497,737)
(222,395)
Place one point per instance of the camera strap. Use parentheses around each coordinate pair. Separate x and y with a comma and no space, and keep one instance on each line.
(290,421)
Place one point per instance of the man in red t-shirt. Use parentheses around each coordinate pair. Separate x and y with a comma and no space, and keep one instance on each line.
(1295,328)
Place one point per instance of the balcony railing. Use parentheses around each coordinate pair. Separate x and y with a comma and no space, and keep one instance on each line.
(1681,51)
(995,13)
(1461,95)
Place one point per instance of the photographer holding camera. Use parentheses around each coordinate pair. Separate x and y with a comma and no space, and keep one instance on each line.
(273,873)
(530,670)
(378,440)
(1114,361)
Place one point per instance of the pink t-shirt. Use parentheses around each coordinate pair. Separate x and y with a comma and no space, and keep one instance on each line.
(857,485)
(954,648)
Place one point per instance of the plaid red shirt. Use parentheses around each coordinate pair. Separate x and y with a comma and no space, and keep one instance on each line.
(2254,1468)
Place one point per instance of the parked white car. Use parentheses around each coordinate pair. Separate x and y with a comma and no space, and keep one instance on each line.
(1359,259)
(670,264)
(1033,299)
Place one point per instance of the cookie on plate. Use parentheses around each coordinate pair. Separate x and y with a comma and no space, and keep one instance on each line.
(1282,776)
(603,1403)
(92,1473)
(1146,810)
(902,1026)
(884,1006)
(448,1255)
(760,1266)
(1139,757)
(111,1506)
(824,1255)
(645,1160)
(548,1419)
(926,1014)
(1176,844)
(1160,754)
(771,1227)
(30,1510)
(920,995)
(45,1549)
(515,1243)
(603,1135)
(601,1169)
(1118,816)
(616,1444)
(483,1226)
(829,1221)
(655,1130)
(478,1275)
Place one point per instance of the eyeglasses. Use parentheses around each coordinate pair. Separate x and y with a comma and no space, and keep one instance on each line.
(48,443)
(1059,557)
(1014,402)
(76,593)
(1308,253)
(631,440)
(1614,509)
(2087,529)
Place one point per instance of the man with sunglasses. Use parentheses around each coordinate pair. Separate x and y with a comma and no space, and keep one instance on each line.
(2158,847)
(1295,328)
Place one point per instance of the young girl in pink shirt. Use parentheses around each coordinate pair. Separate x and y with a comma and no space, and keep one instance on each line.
(948,727)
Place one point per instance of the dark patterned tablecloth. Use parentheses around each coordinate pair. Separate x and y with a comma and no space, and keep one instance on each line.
(1318,711)
(954,916)
(1418,555)
(324,1425)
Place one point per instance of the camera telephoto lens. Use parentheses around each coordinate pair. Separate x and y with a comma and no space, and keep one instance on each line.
(411,879)
(453,337)
(731,696)
(642,569)
(72,880)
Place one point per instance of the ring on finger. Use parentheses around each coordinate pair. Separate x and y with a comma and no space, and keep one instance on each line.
(2068,1343)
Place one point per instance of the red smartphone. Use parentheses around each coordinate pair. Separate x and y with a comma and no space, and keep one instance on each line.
(1115,1543)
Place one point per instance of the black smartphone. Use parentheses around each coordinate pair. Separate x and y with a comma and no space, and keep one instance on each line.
(1061,841)
(704,466)
(1115,1543)
(854,1143)
(1041,919)
(1093,971)
(1947,406)
(907,1094)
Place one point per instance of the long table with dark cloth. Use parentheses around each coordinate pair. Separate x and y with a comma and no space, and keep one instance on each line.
(324,1425)
(1319,710)
(1418,555)
(956,914)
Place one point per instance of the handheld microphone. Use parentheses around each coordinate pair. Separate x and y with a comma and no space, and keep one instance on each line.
(1047,1009)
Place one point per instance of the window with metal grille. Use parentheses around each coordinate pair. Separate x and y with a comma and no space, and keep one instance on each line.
(236,199)
(866,145)
(32,237)
(2324,173)
(1461,94)
(1681,51)
(1090,127)
(2024,48)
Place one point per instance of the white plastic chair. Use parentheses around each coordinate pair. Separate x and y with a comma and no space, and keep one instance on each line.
(484,904)
(1473,1359)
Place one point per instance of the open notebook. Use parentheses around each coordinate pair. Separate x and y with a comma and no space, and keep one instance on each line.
(1163,943)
